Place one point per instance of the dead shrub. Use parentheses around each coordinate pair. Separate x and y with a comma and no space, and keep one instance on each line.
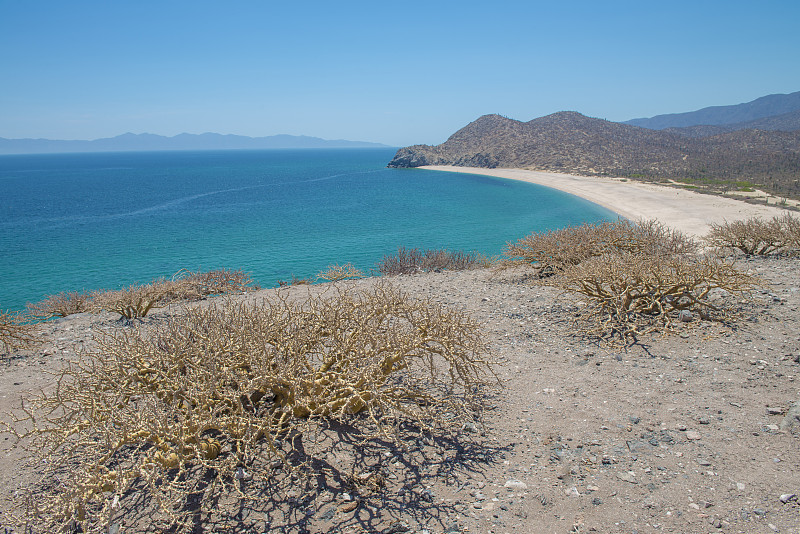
(213,406)
(414,260)
(16,332)
(757,236)
(335,273)
(62,305)
(557,250)
(132,302)
(635,293)
(186,285)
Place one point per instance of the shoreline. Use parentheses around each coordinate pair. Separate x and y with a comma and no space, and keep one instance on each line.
(687,211)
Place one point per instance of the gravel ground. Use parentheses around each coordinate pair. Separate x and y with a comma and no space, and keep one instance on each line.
(677,433)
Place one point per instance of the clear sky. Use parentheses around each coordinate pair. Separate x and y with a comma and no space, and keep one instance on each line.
(398,73)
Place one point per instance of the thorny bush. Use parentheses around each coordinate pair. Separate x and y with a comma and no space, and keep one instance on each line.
(757,236)
(212,406)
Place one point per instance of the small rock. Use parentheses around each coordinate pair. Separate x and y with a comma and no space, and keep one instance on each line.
(759,512)
(685,316)
(397,528)
(627,476)
(470,427)
(592,488)
(774,411)
(597,501)
(786,497)
(515,485)
(348,507)
(692,435)
(703,420)
(740,486)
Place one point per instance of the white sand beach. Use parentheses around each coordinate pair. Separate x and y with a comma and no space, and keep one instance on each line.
(684,210)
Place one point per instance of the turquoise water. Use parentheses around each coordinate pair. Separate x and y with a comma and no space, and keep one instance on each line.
(90,221)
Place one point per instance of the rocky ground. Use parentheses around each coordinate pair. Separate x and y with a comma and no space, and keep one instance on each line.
(677,433)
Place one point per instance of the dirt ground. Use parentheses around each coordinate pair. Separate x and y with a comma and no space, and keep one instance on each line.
(677,433)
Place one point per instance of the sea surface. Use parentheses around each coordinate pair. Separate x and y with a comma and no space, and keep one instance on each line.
(71,222)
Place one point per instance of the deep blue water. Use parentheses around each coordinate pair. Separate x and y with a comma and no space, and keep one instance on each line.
(89,221)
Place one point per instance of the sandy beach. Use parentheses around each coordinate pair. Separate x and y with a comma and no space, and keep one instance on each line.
(684,210)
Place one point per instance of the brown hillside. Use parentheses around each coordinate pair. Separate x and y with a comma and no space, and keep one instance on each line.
(573,143)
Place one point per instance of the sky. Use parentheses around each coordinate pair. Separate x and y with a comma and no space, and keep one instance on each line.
(397,73)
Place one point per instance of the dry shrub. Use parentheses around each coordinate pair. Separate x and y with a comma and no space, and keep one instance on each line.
(757,236)
(16,332)
(414,260)
(335,273)
(136,301)
(635,293)
(62,305)
(219,282)
(132,302)
(557,250)
(213,407)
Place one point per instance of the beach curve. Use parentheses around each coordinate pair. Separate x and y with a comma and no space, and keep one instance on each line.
(688,211)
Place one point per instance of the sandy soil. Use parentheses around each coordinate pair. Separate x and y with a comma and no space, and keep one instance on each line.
(678,433)
(684,210)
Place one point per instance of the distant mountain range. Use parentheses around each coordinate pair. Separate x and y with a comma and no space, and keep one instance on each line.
(763,151)
(150,142)
(747,113)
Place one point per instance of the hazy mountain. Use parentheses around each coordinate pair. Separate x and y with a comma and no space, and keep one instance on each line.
(572,143)
(787,122)
(147,142)
(766,106)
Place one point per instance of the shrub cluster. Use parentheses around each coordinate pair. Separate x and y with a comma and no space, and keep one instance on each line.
(414,260)
(61,305)
(756,236)
(214,405)
(555,251)
(137,300)
(636,277)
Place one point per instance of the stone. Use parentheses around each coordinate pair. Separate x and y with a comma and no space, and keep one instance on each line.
(627,476)
(692,435)
(515,485)
(787,497)
(397,528)
(685,316)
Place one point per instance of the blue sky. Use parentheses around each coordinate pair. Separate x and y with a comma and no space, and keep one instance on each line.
(393,72)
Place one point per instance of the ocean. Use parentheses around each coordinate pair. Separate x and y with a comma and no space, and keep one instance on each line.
(72,222)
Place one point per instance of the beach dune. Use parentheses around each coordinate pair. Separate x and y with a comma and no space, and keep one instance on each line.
(688,211)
